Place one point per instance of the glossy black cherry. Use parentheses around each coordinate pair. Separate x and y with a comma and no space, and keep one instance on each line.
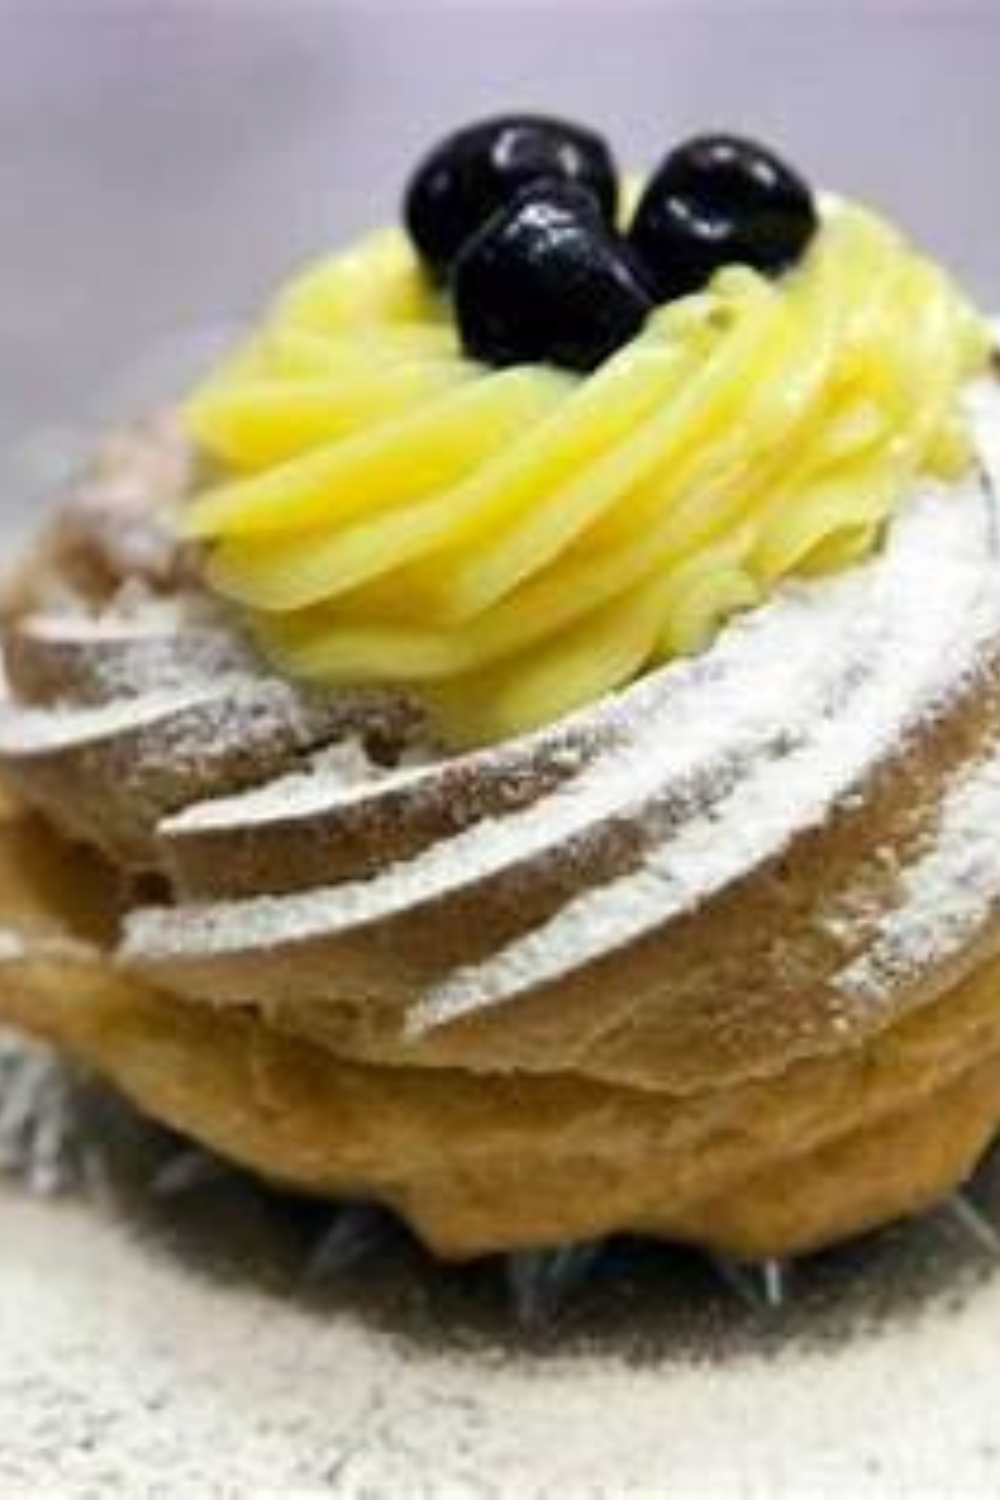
(545,279)
(718,200)
(480,169)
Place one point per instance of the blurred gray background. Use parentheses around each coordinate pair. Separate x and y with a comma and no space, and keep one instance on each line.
(164,162)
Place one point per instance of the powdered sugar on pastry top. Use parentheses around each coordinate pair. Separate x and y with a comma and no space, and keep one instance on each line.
(945,896)
(336,776)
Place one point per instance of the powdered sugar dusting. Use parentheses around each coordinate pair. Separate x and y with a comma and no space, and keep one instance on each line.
(144,644)
(25,732)
(337,776)
(158,619)
(946,895)
(147,1389)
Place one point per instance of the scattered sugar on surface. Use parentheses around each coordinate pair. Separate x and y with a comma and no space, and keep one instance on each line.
(147,1389)
(208,718)
(25,732)
(156,620)
(143,643)
(945,896)
(337,776)
(325,785)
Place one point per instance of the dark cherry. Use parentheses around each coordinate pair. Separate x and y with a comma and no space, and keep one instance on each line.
(546,279)
(715,200)
(478,170)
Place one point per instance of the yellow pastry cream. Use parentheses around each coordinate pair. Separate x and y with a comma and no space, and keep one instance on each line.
(513,543)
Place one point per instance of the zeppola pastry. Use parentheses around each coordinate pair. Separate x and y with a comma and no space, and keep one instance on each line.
(521,741)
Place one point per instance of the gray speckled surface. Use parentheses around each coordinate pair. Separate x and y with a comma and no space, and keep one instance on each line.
(161,164)
(125,1373)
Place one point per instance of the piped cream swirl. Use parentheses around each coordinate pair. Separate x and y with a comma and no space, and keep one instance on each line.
(516,543)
